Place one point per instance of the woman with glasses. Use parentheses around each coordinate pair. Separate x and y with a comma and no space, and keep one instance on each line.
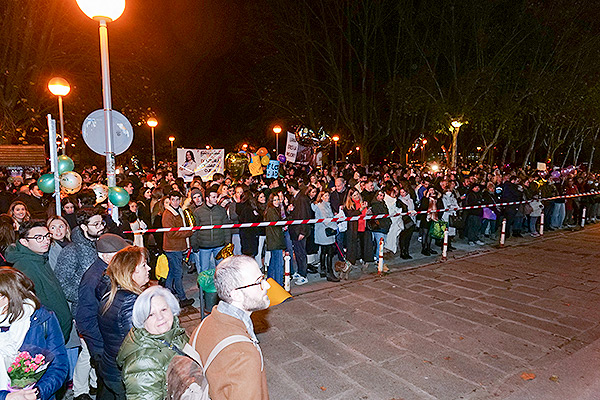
(125,279)
(26,325)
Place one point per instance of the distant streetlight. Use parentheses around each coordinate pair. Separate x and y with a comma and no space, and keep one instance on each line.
(153,123)
(105,11)
(60,87)
(335,139)
(424,142)
(245,147)
(277,131)
(456,124)
(172,139)
(358,152)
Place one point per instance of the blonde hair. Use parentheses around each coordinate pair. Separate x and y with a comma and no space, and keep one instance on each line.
(121,269)
(64,221)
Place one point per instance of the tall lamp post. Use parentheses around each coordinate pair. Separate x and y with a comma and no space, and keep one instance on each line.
(153,123)
(335,139)
(105,11)
(172,139)
(456,124)
(358,152)
(424,142)
(277,131)
(60,87)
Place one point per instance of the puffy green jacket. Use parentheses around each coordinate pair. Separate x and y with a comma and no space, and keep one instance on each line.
(144,360)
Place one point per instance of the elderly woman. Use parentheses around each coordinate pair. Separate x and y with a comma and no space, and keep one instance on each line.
(155,339)
(26,325)
(128,272)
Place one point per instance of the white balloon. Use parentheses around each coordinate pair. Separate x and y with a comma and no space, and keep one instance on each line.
(101,192)
(70,182)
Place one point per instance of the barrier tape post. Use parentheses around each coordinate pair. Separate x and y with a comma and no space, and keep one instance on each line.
(380,265)
(503,232)
(445,248)
(583,217)
(542,224)
(286,263)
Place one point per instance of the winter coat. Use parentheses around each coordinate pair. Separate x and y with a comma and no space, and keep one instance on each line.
(144,359)
(301,210)
(210,238)
(114,325)
(86,316)
(44,332)
(248,236)
(382,224)
(47,288)
(323,210)
(275,237)
(72,263)
(55,249)
(474,199)
(174,241)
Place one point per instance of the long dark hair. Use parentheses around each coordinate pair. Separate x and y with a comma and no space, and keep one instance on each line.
(8,235)
(17,288)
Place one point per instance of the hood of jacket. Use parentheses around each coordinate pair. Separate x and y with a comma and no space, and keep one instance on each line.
(18,252)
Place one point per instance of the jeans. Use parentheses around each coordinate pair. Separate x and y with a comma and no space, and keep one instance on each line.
(532,224)
(300,256)
(261,248)
(473,227)
(340,239)
(203,257)
(174,280)
(275,269)
(289,247)
(558,215)
(237,244)
(376,237)
(491,223)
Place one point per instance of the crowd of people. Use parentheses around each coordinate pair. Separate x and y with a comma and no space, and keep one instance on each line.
(93,277)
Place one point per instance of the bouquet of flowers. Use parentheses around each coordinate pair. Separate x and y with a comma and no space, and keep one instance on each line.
(26,370)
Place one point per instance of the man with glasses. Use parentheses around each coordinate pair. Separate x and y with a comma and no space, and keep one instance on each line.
(237,372)
(30,256)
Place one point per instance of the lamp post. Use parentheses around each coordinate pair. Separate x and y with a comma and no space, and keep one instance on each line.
(358,153)
(105,11)
(153,123)
(456,124)
(424,142)
(335,139)
(277,131)
(172,139)
(60,87)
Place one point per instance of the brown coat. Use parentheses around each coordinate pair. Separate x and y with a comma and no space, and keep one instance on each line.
(174,241)
(235,374)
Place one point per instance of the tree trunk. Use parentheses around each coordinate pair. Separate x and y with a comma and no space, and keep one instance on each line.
(531,145)
(593,149)
(454,144)
(504,153)
(490,145)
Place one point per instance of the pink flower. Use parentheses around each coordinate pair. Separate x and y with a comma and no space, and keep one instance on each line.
(26,369)
(10,369)
(27,363)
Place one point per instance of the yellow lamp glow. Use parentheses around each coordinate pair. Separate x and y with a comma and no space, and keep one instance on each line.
(457,124)
(59,86)
(171,139)
(277,129)
(152,122)
(335,138)
(108,10)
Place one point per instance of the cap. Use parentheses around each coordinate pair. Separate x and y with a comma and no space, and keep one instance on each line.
(111,243)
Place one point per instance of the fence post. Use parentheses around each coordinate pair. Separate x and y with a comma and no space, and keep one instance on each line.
(503,232)
(445,248)
(380,265)
(542,224)
(583,217)
(286,263)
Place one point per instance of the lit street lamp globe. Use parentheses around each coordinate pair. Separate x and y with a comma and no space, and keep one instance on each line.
(152,122)
(108,10)
(59,86)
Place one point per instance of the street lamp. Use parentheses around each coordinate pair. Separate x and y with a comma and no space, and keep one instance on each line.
(277,131)
(105,11)
(424,142)
(456,124)
(335,139)
(358,153)
(172,139)
(153,123)
(60,87)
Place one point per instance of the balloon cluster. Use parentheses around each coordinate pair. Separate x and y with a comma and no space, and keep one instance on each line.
(236,163)
(70,183)
(307,137)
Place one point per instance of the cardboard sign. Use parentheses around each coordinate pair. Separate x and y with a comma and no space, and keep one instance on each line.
(200,162)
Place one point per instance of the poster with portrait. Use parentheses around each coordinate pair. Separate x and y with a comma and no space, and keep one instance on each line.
(200,162)
(297,153)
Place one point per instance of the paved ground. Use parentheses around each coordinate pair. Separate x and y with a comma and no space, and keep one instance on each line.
(464,329)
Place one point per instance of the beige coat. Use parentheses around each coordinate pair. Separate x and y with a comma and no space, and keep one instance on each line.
(235,374)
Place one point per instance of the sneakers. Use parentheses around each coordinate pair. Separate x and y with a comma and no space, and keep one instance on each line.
(471,243)
(300,281)
(535,234)
(296,276)
(479,242)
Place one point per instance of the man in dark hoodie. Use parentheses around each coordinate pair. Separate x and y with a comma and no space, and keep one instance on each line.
(30,256)
(474,216)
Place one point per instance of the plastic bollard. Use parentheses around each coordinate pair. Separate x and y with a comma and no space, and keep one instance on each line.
(380,265)
(583,217)
(542,224)
(503,233)
(288,278)
(445,248)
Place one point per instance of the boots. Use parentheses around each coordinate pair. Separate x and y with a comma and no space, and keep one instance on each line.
(323,258)
(329,261)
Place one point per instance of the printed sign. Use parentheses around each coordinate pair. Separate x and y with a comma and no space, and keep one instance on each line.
(200,162)
(273,169)
(295,152)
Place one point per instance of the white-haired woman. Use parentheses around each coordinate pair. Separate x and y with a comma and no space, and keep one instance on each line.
(156,337)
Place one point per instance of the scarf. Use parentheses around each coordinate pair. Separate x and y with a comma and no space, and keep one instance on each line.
(12,340)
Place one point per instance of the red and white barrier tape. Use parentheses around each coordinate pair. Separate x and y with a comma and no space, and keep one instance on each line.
(345,219)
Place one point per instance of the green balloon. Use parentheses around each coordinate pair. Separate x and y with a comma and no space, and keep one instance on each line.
(65,164)
(46,183)
(118,196)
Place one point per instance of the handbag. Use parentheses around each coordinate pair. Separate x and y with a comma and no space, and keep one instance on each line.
(330,232)
(437,228)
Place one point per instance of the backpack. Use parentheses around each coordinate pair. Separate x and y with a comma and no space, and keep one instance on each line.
(186,376)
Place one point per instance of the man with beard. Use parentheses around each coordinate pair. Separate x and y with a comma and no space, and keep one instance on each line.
(237,372)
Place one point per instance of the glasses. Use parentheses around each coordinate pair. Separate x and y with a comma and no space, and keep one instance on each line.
(253,284)
(98,224)
(39,238)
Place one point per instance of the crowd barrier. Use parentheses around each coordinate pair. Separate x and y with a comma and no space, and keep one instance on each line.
(345,219)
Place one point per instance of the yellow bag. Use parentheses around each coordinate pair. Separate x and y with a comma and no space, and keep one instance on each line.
(162,267)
